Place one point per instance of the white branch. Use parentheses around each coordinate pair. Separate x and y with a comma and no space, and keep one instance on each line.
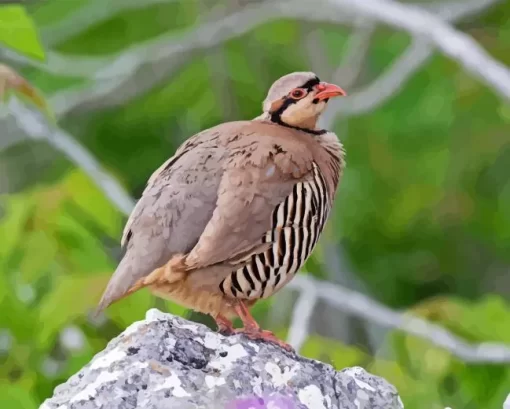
(137,70)
(90,14)
(317,54)
(162,51)
(59,64)
(394,78)
(364,307)
(350,68)
(453,43)
(385,86)
(355,55)
(506,403)
(35,126)
(143,66)
(301,316)
(83,18)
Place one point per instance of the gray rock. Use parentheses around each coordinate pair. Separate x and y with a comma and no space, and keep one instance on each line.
(166,362)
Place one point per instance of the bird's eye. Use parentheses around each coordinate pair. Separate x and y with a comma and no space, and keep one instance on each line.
(298,93)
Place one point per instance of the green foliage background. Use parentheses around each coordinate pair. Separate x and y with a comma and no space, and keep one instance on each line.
(423,215)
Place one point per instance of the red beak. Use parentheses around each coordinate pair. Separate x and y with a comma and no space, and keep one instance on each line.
(329,91)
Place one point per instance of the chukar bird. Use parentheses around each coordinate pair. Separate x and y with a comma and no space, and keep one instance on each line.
(233,215)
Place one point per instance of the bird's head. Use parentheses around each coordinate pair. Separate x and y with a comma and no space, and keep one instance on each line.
(298,99)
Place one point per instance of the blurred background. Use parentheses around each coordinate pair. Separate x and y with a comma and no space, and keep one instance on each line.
(421,226)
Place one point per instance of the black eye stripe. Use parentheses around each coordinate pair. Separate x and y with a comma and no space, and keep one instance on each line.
(311,83)
(288,101)
(276,115)
(308,85)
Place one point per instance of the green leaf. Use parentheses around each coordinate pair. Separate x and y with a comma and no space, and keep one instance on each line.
(276,34)
(39,251)
(20,320)
(426,361)
(472,318)
(17,31)
(16,397)
(48,13)
(17,212)
(131,309)
(13,83)
(72,297)
(83,250)
(414,392)
(329,350)
(468,319)
(92,201)
(141,24)
(175,309)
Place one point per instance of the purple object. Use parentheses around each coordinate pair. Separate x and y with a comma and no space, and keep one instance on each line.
(274,401)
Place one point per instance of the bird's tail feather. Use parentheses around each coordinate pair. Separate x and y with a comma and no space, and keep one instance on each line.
(125,282)
(119,286)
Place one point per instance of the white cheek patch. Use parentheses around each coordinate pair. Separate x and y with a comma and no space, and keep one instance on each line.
(293,112)
(302,110)
(318,107)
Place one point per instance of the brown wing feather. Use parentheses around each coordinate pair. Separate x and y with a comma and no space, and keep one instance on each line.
(172,213)
(260,171)
(213,199)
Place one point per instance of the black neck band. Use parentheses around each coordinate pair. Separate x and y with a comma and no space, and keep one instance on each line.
(278,120)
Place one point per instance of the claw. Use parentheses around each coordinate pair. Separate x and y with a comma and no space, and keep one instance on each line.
(261,334)
(253,331)
(225,326)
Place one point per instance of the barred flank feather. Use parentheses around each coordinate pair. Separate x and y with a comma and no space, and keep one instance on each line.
(296,226)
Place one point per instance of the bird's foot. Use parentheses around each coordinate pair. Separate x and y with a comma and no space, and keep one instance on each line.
(225,326)
(251,329)
(257,333)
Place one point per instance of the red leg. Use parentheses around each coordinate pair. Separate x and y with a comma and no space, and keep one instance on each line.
(225,326)
(252,329)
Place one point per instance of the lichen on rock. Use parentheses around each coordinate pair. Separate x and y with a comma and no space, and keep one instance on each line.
(167,362)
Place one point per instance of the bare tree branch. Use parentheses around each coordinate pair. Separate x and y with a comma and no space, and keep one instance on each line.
(59,64)
(370,97)
(35,126)
(216,61)
(453,43)
(357,49)
(506,404)
(317,54)
(249,18)
(352,58)
(347,73)
(388,84)
(83,18)
(143,66)
(366,308)
(395,77)
(159,49)
(301,316)
(90,14)
(329,322)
